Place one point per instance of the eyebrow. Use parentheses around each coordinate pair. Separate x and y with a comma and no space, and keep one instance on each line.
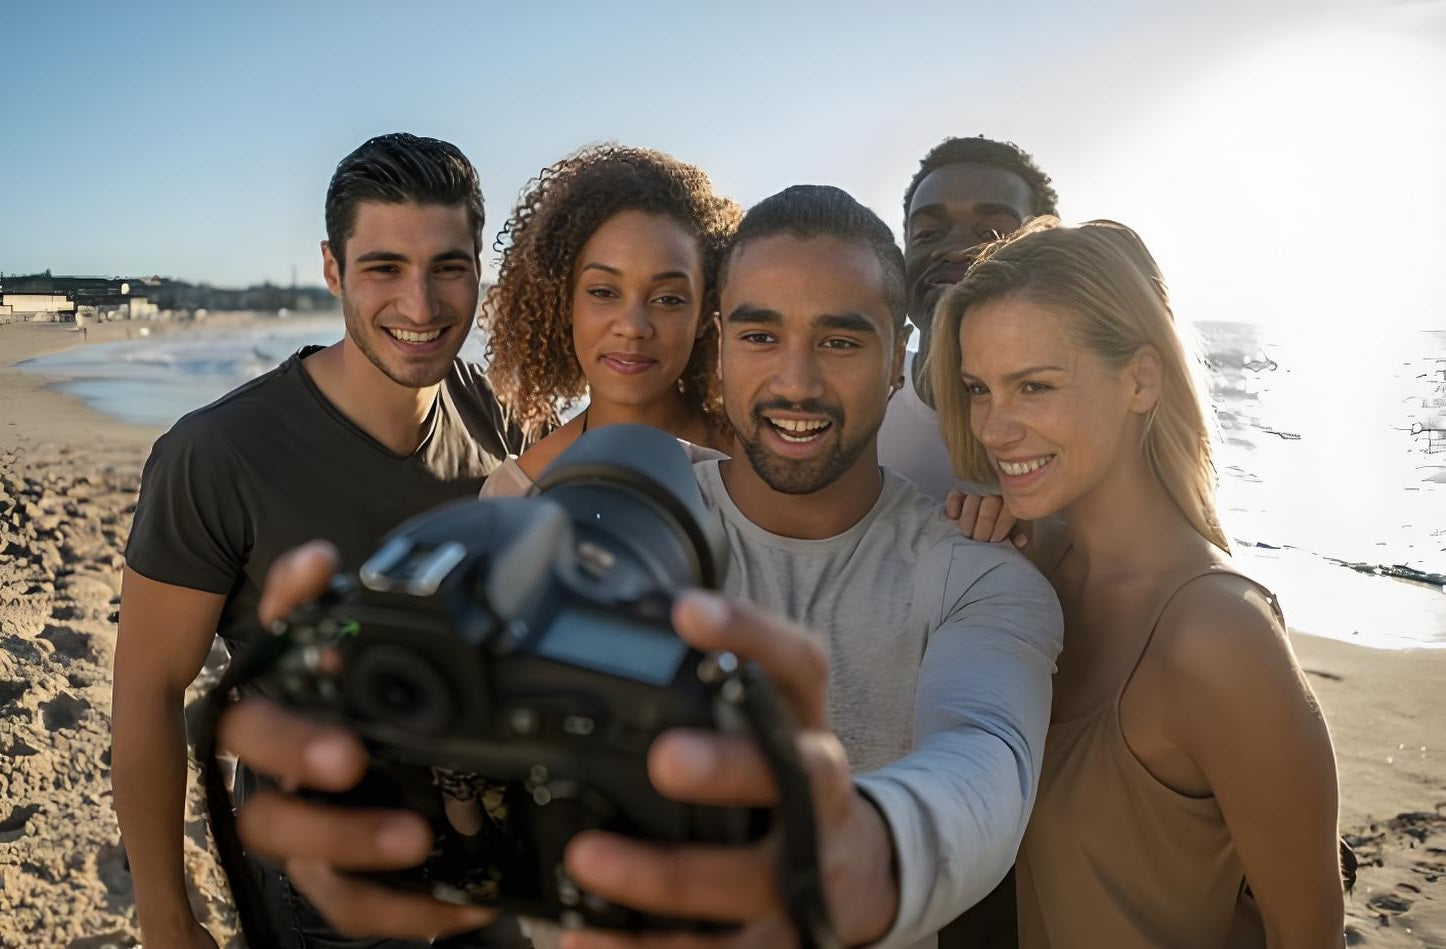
(392,257)
(762,316)
(1018,374)
(982,208)
(665,275)
(848,322)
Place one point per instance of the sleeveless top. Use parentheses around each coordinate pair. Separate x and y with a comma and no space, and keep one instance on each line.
(1112,857)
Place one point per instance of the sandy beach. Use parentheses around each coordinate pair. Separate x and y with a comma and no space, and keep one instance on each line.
(68,477)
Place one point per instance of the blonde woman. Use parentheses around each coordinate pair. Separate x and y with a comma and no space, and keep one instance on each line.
(1188,794)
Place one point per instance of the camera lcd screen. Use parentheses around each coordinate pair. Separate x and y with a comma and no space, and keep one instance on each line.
(618,646)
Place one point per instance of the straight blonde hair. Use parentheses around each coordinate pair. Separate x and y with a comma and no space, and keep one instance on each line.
(1103,279)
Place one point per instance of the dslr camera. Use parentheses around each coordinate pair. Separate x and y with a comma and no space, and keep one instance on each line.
(512,660)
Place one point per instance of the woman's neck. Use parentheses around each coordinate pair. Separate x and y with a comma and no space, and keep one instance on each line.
(1128,524)
(671,415)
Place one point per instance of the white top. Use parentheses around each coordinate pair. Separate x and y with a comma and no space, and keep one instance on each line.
(941,652)
(910,443)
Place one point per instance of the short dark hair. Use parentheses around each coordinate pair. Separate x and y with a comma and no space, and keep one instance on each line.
(985,151)
(399,168)
(809,211)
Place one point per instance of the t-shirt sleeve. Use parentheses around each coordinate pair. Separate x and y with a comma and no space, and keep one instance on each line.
(488,421)
(190,527)
(958,804)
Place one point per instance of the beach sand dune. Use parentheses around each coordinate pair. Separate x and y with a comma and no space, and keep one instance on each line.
(68,478)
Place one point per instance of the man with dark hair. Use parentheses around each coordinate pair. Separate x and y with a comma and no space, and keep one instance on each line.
(343,442)
(923,697)
(966,193)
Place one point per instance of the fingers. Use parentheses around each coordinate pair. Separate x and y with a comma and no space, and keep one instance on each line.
(359,908)
(701,767)
(953,505)
(786,654)
(969,515)
(282,827)
(694,882)
(989,509)
(295,751)
(1003,524)
(298,575)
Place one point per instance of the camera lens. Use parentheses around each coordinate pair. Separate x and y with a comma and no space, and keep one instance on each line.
(392,685)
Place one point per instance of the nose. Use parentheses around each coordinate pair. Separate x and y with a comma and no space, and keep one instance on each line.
(634,322)
(418,301)
(995,425)
(797,377)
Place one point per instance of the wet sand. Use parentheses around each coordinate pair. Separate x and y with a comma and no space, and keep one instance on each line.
(68,477)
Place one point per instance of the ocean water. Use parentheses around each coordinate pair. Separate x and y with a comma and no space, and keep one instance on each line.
(154,380)
(1331,451)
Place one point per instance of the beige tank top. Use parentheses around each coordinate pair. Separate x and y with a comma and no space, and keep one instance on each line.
(1112,857)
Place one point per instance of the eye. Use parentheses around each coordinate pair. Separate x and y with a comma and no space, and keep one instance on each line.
(383,269)
(756,336)
(1034,388)
(601,293)
(836,342)
(453,270)
(671,300)
(975,390)
(922,235)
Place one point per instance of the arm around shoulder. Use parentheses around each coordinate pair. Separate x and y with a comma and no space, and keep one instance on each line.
(958,804)
(1247,718)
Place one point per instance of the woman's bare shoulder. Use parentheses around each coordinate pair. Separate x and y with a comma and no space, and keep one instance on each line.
(1219,623)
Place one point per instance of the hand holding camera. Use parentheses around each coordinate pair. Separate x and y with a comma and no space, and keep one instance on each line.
(537,647)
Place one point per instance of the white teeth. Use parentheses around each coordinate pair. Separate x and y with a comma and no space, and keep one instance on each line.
(1024,467)
(407,336)
(800,425)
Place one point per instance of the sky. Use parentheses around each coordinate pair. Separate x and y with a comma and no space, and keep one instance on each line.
(1286,162)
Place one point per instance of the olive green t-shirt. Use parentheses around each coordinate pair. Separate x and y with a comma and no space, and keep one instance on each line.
(273,464)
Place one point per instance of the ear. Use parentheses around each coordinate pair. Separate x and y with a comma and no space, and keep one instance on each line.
(331,269)
(901,345)
(704,324)
(1146,372)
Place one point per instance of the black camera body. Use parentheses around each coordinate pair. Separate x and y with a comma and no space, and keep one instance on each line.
(523,648)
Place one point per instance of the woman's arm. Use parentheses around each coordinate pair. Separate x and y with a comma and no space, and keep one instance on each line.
(1246,716)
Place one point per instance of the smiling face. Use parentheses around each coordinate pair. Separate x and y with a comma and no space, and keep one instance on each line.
(637,290)
(808,356)
(409,288)
(1054,419)
(957,208)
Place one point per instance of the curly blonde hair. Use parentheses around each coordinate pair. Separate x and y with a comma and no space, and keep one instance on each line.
(528,312)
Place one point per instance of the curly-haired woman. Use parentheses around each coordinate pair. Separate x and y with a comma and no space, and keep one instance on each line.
(607,289)
(1188,792)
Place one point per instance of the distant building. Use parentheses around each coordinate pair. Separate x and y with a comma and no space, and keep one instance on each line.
(48,297)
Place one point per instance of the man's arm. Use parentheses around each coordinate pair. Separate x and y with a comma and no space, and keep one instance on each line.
(958,804)
(165,635)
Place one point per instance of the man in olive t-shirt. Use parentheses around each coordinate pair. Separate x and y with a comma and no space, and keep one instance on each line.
(341,442)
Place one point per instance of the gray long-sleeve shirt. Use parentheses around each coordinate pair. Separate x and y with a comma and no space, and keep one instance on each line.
(940,654)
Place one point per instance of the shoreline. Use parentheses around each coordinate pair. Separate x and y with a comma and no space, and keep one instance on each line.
(68,476)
